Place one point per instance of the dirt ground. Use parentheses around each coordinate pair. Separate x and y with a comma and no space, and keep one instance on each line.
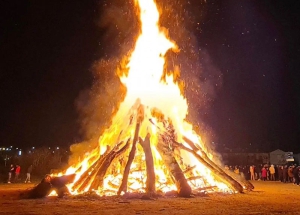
(267,198)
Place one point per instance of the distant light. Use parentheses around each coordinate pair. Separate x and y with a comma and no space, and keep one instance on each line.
(52,151)
(49,148)
(33,147)
(10,146)
(17,148)
(7,149)
(57,147)
(20,153)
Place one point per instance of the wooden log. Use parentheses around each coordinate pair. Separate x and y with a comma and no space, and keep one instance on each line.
(189,169)
(150,181)
(140,117)
(113,185)
(98,181)
(219,173)
(183,188)
(47,185)
(91,175)
(87,176)
(245,183)
(194,178)
(206,188)
(59,184)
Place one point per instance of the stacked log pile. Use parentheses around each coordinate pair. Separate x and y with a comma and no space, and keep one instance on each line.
(92,179)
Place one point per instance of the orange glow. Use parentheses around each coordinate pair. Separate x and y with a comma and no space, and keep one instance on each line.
(146,87)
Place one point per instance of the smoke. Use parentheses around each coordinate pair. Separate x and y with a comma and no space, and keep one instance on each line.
(98,104)
(201,78)
(120,25)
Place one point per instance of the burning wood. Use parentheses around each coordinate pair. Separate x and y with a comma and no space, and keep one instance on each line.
(48,185)
(123,187)
(222,176)
(150,183)
(90,173)
(165,154)
(105,165)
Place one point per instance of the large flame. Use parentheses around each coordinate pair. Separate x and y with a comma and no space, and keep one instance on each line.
(146,85)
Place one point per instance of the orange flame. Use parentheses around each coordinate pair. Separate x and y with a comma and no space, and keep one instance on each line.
(145,86)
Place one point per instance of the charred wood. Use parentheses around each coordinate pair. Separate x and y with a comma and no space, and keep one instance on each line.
(47,185)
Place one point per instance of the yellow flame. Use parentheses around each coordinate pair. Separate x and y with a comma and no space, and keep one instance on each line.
(146,86)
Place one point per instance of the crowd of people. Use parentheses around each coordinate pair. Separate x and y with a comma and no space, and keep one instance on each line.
(14,174)
(283,173)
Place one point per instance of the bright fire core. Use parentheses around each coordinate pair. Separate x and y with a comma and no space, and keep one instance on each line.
(147,88)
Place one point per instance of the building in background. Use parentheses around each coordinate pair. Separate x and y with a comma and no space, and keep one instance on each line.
(276,157)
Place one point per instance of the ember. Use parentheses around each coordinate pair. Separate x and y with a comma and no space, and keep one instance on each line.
(150,148)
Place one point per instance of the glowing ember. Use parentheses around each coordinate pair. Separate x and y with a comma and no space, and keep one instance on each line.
(152,114)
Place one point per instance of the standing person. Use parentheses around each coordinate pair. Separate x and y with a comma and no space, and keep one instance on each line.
(285,174)
(268,172)
(257,172)
(18,170)
(236,170)
(296,175)
(280,173)
(252,176)
(290,173)
(272,172)
(10,172)
(264,173)
(28,174)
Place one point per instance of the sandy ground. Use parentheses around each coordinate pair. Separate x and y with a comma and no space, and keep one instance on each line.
(267,198)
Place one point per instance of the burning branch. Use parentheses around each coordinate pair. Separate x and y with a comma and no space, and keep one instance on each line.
(150,183)
(218,172)
(167,154)
(98,183)
(140,117)
(241,180)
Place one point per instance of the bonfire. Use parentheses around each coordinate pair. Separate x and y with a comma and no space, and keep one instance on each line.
(150,148)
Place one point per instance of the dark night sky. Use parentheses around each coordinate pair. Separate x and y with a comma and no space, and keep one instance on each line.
(47,49)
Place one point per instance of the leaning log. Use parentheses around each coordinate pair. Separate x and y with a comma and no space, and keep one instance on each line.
(140,117)
(150,181)
(59,184)
(219,173)
(245,183)
(47,185)
(89,174)
(98,181)
(167,154)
